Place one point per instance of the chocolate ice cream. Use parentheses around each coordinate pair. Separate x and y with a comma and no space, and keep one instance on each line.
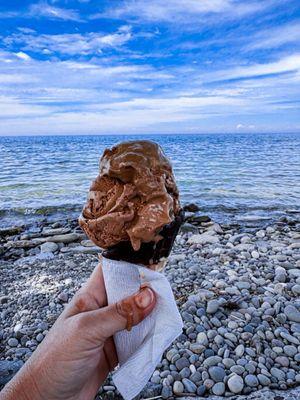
(133,197)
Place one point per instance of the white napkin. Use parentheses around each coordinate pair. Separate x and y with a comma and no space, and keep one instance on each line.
(140,350)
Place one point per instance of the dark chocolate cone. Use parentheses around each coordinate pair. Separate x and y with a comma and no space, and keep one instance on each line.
(149,253)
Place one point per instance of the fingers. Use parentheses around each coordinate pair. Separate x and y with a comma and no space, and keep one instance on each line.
(124,314)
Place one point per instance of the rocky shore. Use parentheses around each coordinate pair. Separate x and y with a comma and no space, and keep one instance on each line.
(237,288)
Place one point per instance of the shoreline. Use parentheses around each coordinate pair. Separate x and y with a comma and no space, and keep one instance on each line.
(237,289)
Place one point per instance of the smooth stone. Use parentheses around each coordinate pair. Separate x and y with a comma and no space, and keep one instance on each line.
(49,247)
(240,349)
(235,384)
(63,297)
(263,380)
(203,238)
(255,254)
(13,342)
(217,374)
(251,380)
(166,392)
(67,238)
(189,386)
(201,390)
(283,361)
(182,363)
(290,350)
(178,387)
(277,373)
(292,313)
(81,249)
(212,361)
(296,289)
(218,389)
(212,306)
(197,348)
(202,338)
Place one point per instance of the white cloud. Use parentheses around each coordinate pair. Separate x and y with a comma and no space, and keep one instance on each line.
(43,9)
(276,37)
(284,65)
(70,44)
(178,10)
(23,56)
(103,96)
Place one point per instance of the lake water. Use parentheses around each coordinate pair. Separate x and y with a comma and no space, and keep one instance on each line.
(231,177)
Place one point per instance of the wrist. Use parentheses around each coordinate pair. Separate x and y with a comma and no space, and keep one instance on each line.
(22,387)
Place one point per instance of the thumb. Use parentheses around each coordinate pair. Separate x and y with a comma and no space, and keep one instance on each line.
(124,314)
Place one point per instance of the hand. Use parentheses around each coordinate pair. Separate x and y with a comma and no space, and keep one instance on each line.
(77,354)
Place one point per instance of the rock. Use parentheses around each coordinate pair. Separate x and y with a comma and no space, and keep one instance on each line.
(251,380)
(166,392)
(235,384)
(197,348)
(8,369)
(243,285)
(10,231)
(195,377)
(201,390)
(290,338)
(187,227)
(290,351)
(199,219)
(296,290)
(294,273)
(240,349)
(49,247)
(81,249)
(63,297)
(212,306)
(175,258)
(211,361)
(191,207)
(292,313)
(282,360)
(178,387)
(189,386)
(255,254)
(13,342)
(181,363)
(218,389)
(260,234)
(55,231)
(217,374)
(87,243)
(263,380)
(203,238)
(202,339)
(39,337)
(170,354)
(67,238)
(278,374)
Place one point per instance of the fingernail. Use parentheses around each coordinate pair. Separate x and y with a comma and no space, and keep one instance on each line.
(144,298)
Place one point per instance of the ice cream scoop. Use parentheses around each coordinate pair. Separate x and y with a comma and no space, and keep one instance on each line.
(133,198)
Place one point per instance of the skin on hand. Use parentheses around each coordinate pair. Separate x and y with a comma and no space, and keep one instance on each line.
(77,354)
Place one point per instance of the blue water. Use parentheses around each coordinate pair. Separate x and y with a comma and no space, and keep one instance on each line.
(228,176)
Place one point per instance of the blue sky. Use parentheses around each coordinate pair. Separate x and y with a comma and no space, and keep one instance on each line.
(149,66)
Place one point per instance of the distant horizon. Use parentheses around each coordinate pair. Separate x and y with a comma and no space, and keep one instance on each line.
(196,67)
(154,134)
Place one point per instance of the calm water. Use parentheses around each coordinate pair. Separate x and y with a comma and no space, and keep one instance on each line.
(229,176)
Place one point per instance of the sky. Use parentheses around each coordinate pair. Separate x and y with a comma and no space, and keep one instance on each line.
(149,66)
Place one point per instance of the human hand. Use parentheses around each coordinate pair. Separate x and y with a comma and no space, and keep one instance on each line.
(77,354)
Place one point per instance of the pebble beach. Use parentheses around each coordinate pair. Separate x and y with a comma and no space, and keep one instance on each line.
(237,288)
